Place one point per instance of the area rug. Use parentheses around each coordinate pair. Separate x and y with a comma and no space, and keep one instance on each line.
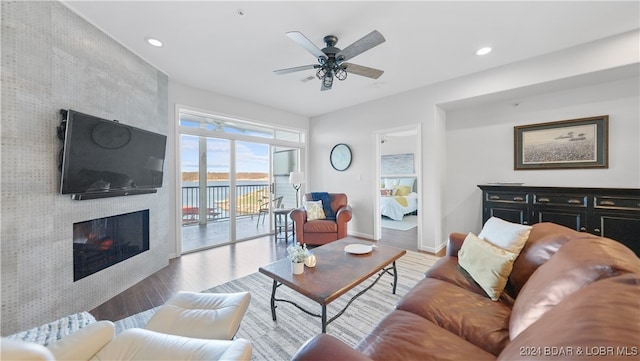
(407,223)
(279,340)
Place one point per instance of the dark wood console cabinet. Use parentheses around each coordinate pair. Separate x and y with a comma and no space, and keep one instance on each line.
(609,212)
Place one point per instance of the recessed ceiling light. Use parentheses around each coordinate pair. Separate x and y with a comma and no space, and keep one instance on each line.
(483,51)
(154,42)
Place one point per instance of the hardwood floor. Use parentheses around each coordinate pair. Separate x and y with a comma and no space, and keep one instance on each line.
(204,269)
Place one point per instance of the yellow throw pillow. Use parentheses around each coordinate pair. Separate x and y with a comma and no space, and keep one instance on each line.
(402,190)
(314,210)
(488,265)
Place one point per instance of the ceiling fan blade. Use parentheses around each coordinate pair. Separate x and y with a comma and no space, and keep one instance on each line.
(306,43)
(362,70)
(297,68)
(367,42)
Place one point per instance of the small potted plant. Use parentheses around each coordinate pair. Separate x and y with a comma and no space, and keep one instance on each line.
(297,254)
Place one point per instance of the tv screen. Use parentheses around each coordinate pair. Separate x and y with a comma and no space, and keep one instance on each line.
(104,156)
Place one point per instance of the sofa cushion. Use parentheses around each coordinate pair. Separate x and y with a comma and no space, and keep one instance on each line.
(487,264)
(544,241)
(471,316)
(577,264)
(320,226)
(506,235)
(598,322)
(405,336)
(448,270)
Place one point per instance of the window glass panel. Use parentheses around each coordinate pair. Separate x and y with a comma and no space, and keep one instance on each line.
(287,135)
(236,127)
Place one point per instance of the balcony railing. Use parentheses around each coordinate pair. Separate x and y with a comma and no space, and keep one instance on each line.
(249,199)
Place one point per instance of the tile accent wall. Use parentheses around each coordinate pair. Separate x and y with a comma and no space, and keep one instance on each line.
(53,59)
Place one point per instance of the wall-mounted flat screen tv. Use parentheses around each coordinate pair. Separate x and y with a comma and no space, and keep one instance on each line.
(105,158)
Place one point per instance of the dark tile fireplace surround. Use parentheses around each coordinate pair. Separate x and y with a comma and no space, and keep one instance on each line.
(103,242)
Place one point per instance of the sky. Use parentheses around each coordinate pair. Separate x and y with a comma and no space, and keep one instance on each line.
(250,157)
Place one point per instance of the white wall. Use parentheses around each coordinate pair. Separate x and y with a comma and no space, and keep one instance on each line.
(480,145)
(213,103)
(430,105)
(398,144)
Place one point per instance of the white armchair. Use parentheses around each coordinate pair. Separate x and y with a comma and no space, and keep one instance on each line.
(97,342)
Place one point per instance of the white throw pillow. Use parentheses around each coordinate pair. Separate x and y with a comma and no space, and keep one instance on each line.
(488,265)
(314,210)
(507,235)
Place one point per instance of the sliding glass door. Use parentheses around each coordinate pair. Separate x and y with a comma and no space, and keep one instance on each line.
(253,191)
(232,176)
(205,192)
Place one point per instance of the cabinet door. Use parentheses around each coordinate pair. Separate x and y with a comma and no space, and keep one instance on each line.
(568,217)
(514,214)
(624,228)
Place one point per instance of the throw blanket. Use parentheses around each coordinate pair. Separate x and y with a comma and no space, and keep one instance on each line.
(401,200)
(326,204)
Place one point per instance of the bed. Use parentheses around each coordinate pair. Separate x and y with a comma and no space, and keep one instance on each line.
(398,197)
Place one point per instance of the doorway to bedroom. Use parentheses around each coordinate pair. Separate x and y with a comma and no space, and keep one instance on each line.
(398,209)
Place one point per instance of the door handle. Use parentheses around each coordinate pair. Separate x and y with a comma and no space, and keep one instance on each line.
(607,203)
(544,200)
(494,197)
(574,201)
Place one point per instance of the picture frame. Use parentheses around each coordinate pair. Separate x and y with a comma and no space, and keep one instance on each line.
(565,144)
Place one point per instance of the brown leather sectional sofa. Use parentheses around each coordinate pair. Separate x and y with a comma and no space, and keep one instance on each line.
(570,296)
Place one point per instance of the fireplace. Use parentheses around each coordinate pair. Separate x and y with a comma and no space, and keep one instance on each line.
(103,242)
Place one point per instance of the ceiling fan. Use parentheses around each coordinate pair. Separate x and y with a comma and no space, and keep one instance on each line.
(332,61)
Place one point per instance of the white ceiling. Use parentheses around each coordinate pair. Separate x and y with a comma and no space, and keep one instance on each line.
(208,45)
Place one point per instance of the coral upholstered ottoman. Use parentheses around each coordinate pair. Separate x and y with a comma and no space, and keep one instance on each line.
(201,315)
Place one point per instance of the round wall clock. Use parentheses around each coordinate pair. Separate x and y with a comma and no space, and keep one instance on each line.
(340,157)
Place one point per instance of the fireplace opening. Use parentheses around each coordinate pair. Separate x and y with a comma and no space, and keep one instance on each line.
(103,242)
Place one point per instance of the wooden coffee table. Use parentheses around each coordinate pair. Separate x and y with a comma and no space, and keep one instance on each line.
(335,273)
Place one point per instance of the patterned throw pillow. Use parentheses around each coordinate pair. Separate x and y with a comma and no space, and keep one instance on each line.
(314,210)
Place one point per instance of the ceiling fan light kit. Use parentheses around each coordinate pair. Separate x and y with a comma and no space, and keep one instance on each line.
(332,61)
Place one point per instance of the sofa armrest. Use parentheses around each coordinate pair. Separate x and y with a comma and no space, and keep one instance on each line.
(84,343)
(344,214)
(455,243)
(326,347)
(299,217)
(141,344)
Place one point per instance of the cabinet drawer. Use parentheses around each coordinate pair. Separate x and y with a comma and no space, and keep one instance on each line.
(507,197)
(578,200)
(616,203)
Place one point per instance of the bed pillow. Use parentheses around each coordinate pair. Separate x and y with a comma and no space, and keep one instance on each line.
(407,182)
(488,264)
(389,183)
(507,235)
(314,210)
